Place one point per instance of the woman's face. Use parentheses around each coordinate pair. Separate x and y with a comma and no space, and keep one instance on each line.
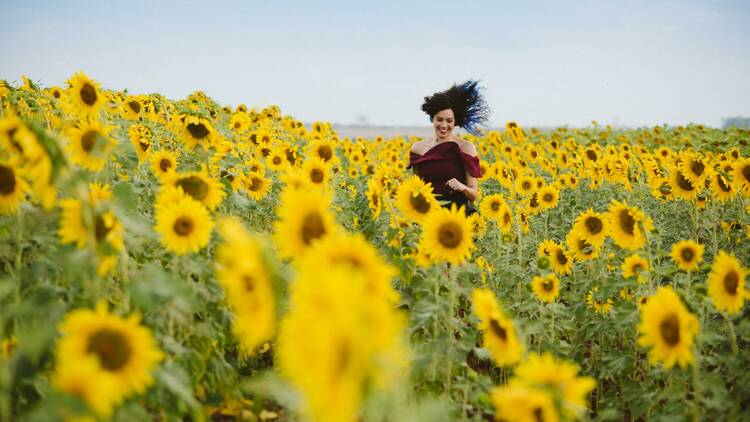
(443,122)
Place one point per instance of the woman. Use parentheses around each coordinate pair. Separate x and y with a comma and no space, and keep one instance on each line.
(446,161)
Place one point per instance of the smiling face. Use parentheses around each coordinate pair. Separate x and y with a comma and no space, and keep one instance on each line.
(443,121)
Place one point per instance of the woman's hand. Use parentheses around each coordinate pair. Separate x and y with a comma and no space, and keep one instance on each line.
(456,185)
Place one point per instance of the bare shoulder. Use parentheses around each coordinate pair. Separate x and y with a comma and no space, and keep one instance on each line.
(420,147)
(467,147)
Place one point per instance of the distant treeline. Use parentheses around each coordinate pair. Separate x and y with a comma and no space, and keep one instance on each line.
(738,121)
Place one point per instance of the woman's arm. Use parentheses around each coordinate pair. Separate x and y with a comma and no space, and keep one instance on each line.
(469,188)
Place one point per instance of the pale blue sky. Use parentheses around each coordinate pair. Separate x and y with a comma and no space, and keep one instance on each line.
(542,62)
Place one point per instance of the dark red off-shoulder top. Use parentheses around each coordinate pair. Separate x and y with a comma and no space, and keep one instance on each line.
(443,162)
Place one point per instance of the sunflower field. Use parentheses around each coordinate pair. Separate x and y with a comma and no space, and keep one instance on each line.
(181,260)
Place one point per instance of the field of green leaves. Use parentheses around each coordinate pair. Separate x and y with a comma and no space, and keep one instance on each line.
(173,260)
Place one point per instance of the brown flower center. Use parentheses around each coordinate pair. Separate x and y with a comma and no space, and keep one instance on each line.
(111,347)
(687,254)
(197,130)
(194,186)
(697,167)
(7,180)
(562,259)
(498,330)
(256,184)
(419,203)
(670,330)
(683,183)
(325,152)
(88,94)
(746,173)
(88,140)
(594,225)
(165,164)
(450,234)
(731,282)
(100,229)
(591,154)
(135,106)
(548,285)
(627,222)
(316,176)
(312,227)
(183,226)
(548,198)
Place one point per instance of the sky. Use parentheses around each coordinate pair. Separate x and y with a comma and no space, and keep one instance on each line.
(541,63)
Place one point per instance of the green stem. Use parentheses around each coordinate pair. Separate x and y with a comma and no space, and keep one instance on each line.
(732,335)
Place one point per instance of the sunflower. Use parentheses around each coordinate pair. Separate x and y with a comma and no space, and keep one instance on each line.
(131,107)
(560,259)
(741,176)
(415,199)
(239,122)
(195,131)
(446,234)
(558,378)
(492,207)
(693,168)
(726,283)
(687,254)
(546,288)
(634,266)
(499,333)
(601,305)
(523,404)
(525,185)
(83,98)
(89,144)
(324,149)
(13,188)
(276,160)
(303,219)
(184,224)
(82,222)
(85,380)
(591,226)
(668,328)
(681,186)
(200,186)
(627,225)
(548,196)
(256,185)
(163,163)
(580,247)
(241,271)
(140,137)
(123,351)
(721,188)
(374,199)
(316,172)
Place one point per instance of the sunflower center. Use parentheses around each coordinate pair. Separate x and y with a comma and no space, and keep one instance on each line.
(197,130)
(548,198)
(746,173)
(183,226)
(135,106)
(194,186)
(585,247)
(144,145)
(256,184)
(100,229)
(7,180)
(723,185)
(637,268)
(495,206)
(498,330)
(506,218)
(276,160)
(526,185)
(594,225)
(533,202)
(419,203)
(56,94)
(683,183)
(591,154)
(731,282)
(165,164)
(450,234)
(627,222)
(670,330)
(88,140)
(548,285)
(562,259)
(111,347)
(697,167)
(248,282)
(687,254)
(312,228)
(325,152)
(316,175)
(88,94)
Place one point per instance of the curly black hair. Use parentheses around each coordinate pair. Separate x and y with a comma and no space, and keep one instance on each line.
(468,105)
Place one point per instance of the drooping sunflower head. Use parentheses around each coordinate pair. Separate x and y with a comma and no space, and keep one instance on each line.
(446,234)
(668,328)
(726,283)
(499,334)
(687,254)
(415,199)
(681,186)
